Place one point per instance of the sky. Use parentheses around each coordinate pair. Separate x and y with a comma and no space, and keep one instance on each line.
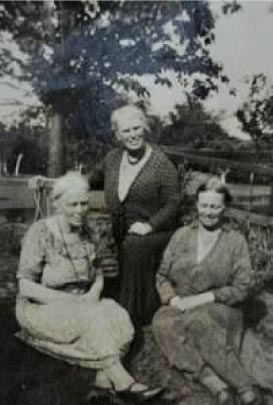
(242,46)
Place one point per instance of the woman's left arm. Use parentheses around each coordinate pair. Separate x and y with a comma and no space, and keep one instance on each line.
(242,274)
(231,294)
(169,197)
(96,289)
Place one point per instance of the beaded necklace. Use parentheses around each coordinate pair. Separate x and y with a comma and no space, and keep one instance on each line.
(132,160)
(68,254)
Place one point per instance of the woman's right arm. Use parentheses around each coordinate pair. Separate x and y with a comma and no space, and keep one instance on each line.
(32,261)
(163,281)
(164,286)
(39,293)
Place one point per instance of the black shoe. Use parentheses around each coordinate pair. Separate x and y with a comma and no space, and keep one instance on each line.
(99,392)
(135,347)
(139,396)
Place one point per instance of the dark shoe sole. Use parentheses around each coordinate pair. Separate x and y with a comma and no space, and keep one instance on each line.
(141,396)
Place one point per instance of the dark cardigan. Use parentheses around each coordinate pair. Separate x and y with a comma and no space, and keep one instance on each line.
(154,196)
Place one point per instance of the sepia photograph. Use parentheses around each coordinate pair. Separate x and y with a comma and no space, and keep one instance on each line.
(136,202)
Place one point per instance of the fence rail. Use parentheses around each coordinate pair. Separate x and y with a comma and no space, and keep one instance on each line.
(179,155)
(15,196)
(242,215)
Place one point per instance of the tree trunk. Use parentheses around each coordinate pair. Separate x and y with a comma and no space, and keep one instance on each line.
(56,146)
(55,165)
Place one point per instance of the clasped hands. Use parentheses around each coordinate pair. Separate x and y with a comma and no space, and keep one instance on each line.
(140,228)
(192,301)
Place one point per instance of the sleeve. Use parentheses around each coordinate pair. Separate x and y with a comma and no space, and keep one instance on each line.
(164,283)
(242,275)
(169,195)
(32,256)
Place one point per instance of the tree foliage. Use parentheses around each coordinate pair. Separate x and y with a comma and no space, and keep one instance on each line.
(230,7)
(71,46)
(190,125)
(256,114)
(81,55)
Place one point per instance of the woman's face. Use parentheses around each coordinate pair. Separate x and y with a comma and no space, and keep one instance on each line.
(131,131)
(210,208)
(74,205)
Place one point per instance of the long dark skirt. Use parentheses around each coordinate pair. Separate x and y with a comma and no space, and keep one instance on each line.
(139,259)
(204,336)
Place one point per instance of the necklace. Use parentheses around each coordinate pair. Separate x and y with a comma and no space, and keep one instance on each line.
(68,254)
(132,160)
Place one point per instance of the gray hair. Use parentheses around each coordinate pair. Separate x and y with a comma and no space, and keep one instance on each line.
(67,182)
(215,184)
(131,108)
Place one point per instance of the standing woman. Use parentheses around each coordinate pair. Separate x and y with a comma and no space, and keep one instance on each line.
(205,273)
(142,191)
(59,307)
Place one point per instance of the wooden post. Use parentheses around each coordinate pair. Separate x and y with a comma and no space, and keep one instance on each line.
(270,206)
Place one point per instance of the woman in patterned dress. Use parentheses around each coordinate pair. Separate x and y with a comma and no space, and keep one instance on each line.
(142,192)
(59,307)
(204,274)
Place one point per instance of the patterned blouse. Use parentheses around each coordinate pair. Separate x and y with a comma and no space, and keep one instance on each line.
(55,259)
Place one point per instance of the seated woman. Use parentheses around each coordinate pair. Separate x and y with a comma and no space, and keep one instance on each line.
(59,307)
(204,273)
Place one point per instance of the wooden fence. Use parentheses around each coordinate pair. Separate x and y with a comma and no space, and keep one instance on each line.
(17,201)
(180,155)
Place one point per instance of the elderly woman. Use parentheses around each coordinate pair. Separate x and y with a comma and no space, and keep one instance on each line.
(204,274)
(142,191)
(59,307)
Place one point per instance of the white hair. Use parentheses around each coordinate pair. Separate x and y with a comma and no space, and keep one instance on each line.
(69,181)
(129,108)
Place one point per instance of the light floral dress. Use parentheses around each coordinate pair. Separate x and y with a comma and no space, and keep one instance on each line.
(92,335)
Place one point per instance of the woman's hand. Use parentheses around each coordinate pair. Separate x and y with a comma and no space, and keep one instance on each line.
(182,304)
(140,228)
(192,301)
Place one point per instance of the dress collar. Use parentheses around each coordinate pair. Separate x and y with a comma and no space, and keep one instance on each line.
(226,226)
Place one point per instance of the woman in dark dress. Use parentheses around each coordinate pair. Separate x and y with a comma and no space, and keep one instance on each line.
(204,274)
(142,192)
